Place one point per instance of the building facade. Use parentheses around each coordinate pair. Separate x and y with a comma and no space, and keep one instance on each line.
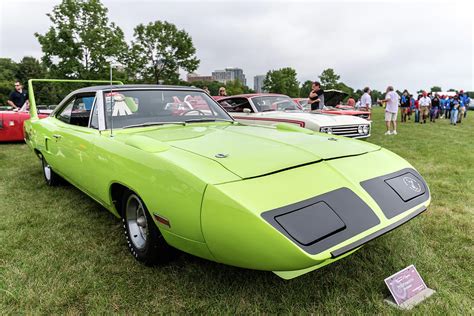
(191,77)
(258,83)
(228,74)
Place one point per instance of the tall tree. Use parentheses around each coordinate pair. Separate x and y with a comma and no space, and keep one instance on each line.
(81,41)
(282,81)
(329,79)
(159,50)
(436,89)
(305,89)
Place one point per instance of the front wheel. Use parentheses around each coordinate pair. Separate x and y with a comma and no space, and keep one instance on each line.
(144,239)
(50,177)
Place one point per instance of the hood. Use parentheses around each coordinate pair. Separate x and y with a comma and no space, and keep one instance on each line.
(333,97)
(250,151)
(318,118)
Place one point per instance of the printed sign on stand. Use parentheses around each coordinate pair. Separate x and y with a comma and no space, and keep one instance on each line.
(407,288)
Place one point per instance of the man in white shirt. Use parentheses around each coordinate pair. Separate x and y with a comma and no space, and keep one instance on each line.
(391,110)
(366,100)
(425,104)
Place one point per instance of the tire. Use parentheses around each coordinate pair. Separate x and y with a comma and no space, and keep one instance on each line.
(144,239)
(50,177)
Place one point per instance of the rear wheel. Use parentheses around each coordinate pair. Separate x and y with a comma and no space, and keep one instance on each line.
(50,177)
(144,239)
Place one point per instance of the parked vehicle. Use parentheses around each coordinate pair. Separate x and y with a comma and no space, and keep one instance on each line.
(280,198)
(333,105)
(271,109)
(11,123)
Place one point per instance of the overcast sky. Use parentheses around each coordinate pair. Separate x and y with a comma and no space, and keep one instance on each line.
(409,44)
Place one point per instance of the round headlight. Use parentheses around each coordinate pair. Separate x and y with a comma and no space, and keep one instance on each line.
(323,129)
(360,129)
(329,130)
(366,129)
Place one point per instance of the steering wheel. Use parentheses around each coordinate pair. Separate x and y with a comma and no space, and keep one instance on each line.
(193,110)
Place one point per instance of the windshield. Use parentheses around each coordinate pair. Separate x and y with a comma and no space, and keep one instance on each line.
(132,108)
(274,103)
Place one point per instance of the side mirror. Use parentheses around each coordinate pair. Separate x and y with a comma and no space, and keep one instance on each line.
(247,111)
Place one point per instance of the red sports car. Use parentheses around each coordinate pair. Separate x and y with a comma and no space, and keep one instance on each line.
(11,124)
(332,100)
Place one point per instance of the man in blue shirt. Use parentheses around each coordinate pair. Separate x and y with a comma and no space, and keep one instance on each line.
(447,112)
(465,100)
(442,104)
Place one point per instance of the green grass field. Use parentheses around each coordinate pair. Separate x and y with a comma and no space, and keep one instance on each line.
(60,252)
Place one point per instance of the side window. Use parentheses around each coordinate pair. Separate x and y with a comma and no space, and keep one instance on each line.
(77,111)
(236,105)
(65,114)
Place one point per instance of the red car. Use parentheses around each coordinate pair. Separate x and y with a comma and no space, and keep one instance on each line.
(332,100)
(11,124)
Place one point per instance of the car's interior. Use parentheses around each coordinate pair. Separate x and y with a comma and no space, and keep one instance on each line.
(236,105)
(77,110)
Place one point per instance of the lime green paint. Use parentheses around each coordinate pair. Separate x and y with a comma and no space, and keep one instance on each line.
(293,128)
(215,204)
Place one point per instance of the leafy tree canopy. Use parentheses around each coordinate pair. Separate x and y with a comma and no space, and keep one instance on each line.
(329,79)
(159,50)
(436,89)
(81,41)
(282,81)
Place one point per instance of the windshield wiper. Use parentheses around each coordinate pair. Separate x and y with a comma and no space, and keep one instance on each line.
(207,120)
(151,124)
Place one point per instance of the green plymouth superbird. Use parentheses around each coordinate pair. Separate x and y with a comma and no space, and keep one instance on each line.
(181,173)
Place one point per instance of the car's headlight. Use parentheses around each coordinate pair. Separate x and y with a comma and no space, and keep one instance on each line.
(329,130)
(366,129)
(323,130)
(360,129)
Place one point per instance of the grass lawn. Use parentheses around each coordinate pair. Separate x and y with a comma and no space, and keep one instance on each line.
(60,252)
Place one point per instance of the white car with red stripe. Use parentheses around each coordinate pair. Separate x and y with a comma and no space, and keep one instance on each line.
(271,109)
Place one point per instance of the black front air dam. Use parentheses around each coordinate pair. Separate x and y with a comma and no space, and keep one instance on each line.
(339,252)
(323,221)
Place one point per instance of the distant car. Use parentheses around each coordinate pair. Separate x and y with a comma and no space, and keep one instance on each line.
(271,109)
(332,105)
(471,104)
(11,123)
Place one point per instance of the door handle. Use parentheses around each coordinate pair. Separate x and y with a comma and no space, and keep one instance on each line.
(57,136)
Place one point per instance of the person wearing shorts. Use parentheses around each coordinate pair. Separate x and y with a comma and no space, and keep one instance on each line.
(391,110)
(405,105)
(425,105)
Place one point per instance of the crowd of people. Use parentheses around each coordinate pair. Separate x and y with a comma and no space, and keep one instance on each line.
(427,105)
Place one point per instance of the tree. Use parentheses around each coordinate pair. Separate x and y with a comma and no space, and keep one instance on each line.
(81,42)
(306,89)
(282,81)
(329,79)
(159,50)
(8,69)
(436,89)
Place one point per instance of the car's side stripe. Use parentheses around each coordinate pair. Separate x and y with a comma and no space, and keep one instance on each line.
(300,123)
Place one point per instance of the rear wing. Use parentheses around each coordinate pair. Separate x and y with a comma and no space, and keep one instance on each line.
(31,92)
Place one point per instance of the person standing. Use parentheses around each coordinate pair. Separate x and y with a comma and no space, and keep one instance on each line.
(435,105)
(391,110)
(425,105)
(465,100)
(222,92)
(447,107)
(405,105)
(316,96)
(454,110)
(18,97)
(412,106)
(366,100)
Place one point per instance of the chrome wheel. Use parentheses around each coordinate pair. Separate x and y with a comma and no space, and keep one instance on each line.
(47,171)
(136,221)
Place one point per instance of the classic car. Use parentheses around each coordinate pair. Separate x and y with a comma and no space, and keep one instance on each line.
(11,123)
(270,109)
(332,102)
(276,198)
